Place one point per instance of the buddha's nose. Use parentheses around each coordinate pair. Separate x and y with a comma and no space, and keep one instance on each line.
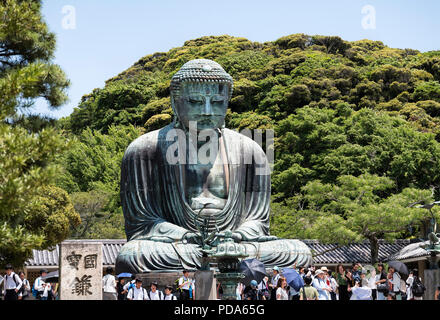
(207,110)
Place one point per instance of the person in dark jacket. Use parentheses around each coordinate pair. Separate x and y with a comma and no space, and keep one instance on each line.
(252,293)
(122,293)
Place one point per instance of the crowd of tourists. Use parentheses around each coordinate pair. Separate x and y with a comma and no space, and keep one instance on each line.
(355,283)
(17,287)
(132,289)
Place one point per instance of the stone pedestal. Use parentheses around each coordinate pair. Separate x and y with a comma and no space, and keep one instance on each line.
(431,282)
(205,285)
(80,270)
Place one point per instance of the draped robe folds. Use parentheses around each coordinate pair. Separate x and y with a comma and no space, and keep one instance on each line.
(157,215)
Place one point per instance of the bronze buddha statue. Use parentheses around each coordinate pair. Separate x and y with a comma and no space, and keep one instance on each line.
(170,186)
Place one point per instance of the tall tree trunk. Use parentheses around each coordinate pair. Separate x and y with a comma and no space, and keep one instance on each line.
(374,249)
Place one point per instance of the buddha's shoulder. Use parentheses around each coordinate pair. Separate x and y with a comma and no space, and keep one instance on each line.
(145,145)
(246,143)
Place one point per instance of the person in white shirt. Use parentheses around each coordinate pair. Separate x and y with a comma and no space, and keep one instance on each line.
(168,293)
(137,292)
(320,285)
(361,292)
(281,291)
(11,283)
(39,284)
(23,293)
(47,291)
(129,284)
(154,294)
(109,285)
(263,288)
(239,290)
(333,286)
(372,284)
(274,282)
(184,285)
(410,282)
(395,280)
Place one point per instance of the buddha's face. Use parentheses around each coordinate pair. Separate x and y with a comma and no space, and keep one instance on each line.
(205,103)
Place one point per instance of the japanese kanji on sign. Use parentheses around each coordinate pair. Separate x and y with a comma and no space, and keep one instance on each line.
(80,270)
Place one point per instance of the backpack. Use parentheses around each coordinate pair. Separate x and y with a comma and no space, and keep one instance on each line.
(304,295)
(34,292)
(13,278)
(172,297)
(23,290)
(160,294)
(418,289)
(132,288)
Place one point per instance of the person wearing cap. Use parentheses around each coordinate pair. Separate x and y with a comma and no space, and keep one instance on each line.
(137,292)
(252,292)
(153,293)
(11,284)
(39,284)
(185,283)
(320,285)
(169,293)
(109,285)
(274,282)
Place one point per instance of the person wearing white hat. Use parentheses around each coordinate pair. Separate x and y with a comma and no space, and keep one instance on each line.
(273,283)
(320,285)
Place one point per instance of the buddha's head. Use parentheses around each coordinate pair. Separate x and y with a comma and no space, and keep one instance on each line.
(200,91)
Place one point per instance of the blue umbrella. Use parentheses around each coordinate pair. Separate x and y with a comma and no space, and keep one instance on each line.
(293,278)
(252,269)
(124,275)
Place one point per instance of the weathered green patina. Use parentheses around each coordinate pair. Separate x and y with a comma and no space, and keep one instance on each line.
(178,196)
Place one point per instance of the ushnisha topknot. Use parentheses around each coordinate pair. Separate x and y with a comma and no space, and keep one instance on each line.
(200,70)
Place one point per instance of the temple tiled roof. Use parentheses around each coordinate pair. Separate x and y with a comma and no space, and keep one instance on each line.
(356,252)
(323,253)
(49,258)
(411,251)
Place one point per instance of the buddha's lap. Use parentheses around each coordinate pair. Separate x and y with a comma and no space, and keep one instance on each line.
(281,252)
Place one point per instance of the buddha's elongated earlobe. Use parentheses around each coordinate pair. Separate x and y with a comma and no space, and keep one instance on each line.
(176,120)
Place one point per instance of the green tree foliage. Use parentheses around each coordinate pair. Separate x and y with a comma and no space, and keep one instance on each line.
(352,209)
(91,207)
(92,167)
(32,214)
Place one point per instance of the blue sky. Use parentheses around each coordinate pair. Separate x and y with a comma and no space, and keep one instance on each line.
(111,35)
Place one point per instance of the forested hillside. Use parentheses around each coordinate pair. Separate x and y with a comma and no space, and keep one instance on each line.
(357,131)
